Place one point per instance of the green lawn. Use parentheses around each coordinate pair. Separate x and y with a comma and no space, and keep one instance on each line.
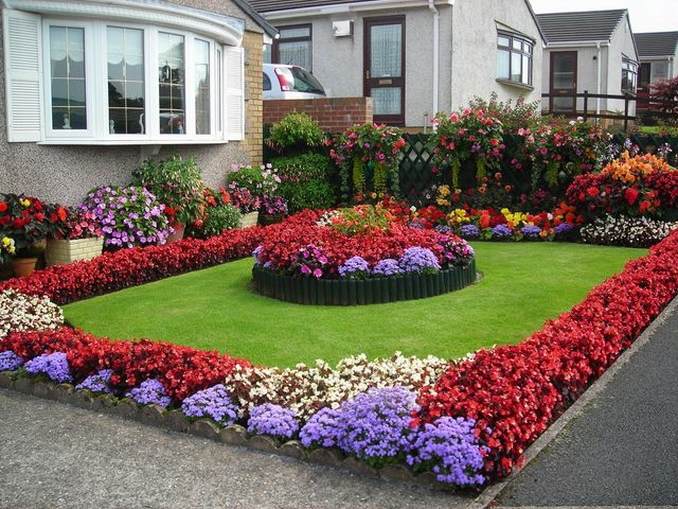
(524,285)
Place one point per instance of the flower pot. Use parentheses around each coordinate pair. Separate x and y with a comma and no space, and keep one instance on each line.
(250,219)
(178,233)
(61,252)
(24,266)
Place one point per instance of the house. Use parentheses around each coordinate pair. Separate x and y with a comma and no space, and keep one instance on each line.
(413,57)
(658,52)
(590,51)
(93,87)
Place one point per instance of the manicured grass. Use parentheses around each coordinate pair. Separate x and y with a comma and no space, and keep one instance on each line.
(524,285)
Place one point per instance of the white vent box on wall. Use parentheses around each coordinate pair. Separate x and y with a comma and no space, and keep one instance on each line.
(343,28)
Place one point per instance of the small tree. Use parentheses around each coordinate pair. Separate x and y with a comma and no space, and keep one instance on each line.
(666,92)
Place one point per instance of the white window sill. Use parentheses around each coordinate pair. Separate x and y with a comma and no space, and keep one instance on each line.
(171,141)
(515,84)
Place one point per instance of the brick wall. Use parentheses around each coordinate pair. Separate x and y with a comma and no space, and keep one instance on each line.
(254,62)
(333,115)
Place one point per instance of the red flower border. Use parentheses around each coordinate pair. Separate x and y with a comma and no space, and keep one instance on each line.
(515,392)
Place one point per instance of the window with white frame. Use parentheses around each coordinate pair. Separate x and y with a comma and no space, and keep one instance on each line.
(114,82)
(514,58)
(629,75)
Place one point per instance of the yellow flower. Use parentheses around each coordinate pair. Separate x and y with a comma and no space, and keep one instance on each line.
(25,203)
(458,216)
(8,244)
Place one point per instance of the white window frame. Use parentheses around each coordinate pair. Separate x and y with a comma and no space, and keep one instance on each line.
(96,83)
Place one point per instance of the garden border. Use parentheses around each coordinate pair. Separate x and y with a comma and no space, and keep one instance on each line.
(235,435)
(486,499)
(350,292)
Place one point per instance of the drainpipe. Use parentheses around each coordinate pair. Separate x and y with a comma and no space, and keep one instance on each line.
(598,84)
(436,54)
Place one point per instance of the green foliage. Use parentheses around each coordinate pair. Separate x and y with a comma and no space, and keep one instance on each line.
(220,218)
(316,194)
(260,181)
(303,167)
(296,130)
(176,182)
(512,116)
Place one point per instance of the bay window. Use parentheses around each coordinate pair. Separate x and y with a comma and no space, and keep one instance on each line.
(514,58)
(93,81)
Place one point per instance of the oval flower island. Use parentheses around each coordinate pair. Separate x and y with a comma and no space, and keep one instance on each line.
(359,255)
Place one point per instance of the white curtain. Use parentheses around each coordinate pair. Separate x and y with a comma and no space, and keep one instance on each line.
(386,45)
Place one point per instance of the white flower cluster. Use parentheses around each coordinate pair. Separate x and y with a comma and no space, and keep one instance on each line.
(327,218)
(306,389)
(626,231)
(19,312)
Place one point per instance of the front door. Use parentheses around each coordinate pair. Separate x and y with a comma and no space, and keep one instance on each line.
(563,82)
(384,63)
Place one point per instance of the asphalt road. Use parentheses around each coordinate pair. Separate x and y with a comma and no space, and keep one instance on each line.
(54,455)
(623,449)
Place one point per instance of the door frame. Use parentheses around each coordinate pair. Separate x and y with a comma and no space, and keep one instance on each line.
(368,82)
(576,80)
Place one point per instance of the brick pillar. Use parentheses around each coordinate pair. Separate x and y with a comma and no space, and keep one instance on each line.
(254,61)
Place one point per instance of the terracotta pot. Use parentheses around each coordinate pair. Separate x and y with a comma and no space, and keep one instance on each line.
(24,266)
(178,234)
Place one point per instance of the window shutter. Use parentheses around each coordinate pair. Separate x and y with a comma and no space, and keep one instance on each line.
(22,36)
(234,66)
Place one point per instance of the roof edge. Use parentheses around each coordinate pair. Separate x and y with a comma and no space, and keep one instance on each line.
(257,18)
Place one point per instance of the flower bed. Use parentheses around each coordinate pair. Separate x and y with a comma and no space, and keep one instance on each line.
(130,267)
(473,419)
(360,255)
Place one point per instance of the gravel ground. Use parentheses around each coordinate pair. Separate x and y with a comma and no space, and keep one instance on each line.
(53,455)
(623,449)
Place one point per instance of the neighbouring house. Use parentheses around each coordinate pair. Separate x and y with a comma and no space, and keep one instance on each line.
(590,51)
(414,58)
(93,87)
(658,52)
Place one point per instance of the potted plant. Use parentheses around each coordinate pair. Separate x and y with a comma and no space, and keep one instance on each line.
(77,236)
(248,186)
(23,219)
(7,249)
(128,216)
(178,185)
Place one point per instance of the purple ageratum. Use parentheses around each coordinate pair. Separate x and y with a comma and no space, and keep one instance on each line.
(501,231)
(99,382)
(372,426)
(150,392)
(443,228)
(323,428)
(354,268)
(419,259)
(257,253)
(451,447)
(9,361)
(531,231)
(386,268)
(272,420)
(563,228)
(54,365)
(215,403)
(469,231)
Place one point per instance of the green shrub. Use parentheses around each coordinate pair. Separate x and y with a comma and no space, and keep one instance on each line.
(316,194)
(260,181)
(296,131)
(220,218)
(303,167)
(176,183)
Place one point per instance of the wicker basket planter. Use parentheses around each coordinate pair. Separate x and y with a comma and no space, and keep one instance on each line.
(338,292)
(250,219)
(61,252)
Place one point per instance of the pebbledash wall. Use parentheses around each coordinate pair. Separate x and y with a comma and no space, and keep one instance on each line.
(66,173)
(333,114)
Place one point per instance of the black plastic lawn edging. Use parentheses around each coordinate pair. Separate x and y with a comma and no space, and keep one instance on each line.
(355,292)
(175,420)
